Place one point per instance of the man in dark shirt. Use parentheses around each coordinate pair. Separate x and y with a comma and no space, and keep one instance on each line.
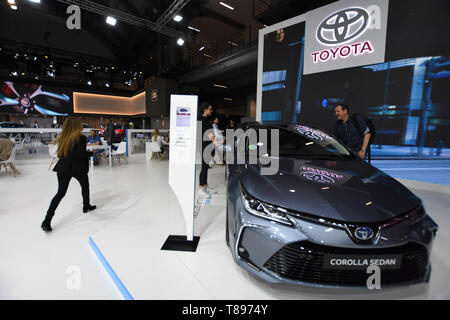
(353,134)
(110,134)
(206,111)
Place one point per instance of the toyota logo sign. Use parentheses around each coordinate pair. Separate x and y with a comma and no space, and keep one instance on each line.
(364,233)
(343,26)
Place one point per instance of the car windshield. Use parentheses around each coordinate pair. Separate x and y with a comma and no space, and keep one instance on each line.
(305,142)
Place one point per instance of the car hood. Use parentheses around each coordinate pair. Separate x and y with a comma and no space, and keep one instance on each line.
(344,190)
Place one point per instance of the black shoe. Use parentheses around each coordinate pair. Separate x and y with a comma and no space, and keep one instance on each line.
(89,208)
(46,226)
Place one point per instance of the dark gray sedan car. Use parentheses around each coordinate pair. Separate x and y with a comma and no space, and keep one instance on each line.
(324,217)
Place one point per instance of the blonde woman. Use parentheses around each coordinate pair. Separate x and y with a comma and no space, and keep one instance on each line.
(73,162)
(159,139)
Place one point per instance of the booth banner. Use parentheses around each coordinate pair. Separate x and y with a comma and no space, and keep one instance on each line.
(345,34)
(183,134)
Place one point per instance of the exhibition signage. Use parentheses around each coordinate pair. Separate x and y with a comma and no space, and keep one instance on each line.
(183,134)
(345,34)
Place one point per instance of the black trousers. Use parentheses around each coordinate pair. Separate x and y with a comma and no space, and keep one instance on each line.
(204,173)
(63,184)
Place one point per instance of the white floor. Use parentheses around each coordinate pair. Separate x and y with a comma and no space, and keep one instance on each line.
(137,211)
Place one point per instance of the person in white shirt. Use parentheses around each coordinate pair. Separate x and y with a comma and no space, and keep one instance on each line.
(160,140)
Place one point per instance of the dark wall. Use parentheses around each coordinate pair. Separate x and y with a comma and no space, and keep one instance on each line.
(417,28)
(158,97)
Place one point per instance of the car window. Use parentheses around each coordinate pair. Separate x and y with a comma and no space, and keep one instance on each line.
(303,142)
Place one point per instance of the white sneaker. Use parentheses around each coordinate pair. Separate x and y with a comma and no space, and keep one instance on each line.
(203,192)
(210,190)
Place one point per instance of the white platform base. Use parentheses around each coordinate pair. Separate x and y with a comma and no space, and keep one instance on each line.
(132,242)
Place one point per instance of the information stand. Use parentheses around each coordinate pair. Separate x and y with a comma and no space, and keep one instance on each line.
(183,143)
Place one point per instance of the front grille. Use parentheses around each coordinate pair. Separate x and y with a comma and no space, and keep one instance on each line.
(306,265)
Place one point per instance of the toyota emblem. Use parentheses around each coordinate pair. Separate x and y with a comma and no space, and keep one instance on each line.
(364,233)
(343,26)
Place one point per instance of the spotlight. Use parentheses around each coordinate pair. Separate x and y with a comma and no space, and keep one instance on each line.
(11,1)
(107,85)
(192,28)
(180,42)
(14,7)
(226,5)
(111,21)
(201,48)
(177,18)
(89,83)
(14,74)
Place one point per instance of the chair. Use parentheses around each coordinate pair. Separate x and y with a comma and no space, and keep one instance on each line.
(10,162)
(120,152)
(53,151)
(154,147)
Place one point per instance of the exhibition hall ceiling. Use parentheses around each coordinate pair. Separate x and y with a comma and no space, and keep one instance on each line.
(40,28)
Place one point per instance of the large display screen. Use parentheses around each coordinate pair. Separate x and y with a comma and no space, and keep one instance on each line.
(29,98)
(406,97)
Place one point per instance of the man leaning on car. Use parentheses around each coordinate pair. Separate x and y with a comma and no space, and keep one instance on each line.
(357,139)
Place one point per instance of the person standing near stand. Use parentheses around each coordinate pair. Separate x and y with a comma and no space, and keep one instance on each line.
(73,163)
(206,110)
(110,134)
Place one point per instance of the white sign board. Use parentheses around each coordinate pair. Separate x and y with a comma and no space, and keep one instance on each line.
(345,34)
(183,142)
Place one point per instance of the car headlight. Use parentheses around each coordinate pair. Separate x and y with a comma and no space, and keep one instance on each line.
(412,217)
(264,210)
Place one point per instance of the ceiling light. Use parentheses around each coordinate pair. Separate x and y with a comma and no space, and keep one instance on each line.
(89,83)
(232,43)
(111,21)
(201,48)
(228,99)
(11,1)
(180,42)
(220,86)
(107,85)
(207,55)
(177,18)
(13,7)
(35,1)
(192,28)
(226,5)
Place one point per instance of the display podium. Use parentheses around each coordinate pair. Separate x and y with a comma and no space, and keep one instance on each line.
(183,144)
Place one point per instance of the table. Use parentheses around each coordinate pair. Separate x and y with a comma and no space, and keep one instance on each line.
(101,147)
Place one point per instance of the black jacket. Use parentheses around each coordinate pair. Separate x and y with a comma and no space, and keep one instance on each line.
(349,134)
(109,132)
(77,160)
